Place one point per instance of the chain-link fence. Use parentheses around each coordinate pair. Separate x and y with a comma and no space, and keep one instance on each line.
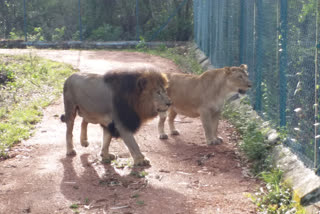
(99,20)
(279,40)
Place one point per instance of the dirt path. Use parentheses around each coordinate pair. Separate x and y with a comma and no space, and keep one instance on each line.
(185,176)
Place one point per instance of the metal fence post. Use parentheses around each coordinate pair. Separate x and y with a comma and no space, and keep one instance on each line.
(317,74)
(80,23)
(260,55)
(137,20)
(242,32)
(25,21)
(283,61)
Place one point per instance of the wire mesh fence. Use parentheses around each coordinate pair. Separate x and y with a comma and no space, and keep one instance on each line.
(99,20)
(279,40)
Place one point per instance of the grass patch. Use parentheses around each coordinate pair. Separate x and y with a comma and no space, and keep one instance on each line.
(276,196)
(32,84)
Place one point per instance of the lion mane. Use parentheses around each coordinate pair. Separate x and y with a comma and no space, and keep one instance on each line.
(120,101)
(132,106)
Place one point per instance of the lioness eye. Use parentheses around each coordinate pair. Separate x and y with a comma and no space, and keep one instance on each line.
(158,92)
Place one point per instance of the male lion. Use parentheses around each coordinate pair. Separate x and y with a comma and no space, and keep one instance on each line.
(120,101)
(203,96)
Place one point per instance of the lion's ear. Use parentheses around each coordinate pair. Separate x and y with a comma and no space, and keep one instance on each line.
(141,83)
(244,67)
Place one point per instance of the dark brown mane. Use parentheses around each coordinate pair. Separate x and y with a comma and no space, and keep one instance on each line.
(128,102)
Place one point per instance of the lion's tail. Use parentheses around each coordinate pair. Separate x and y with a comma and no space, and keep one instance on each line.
(63,118)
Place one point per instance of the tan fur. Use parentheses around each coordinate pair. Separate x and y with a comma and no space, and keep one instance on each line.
(94,97)
(203,96)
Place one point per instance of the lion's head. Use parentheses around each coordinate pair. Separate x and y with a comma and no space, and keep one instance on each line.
(139,94)
(153,97)
(238,79)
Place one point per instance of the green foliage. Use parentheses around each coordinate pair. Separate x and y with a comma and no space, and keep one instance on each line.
(76,36)
(106,32)
(37,34)
(34,84)
(140,174)
(277,196)
(142,44)
(253,144)
(59,34)
(101,20)
(15,35)
(74,206)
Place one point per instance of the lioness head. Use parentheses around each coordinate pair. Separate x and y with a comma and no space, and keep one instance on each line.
(238,79)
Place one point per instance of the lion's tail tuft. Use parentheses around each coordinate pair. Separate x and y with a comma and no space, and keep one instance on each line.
(113,130)
(63,118)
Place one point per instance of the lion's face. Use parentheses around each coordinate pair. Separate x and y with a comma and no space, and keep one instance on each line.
(238,79)
(161,100)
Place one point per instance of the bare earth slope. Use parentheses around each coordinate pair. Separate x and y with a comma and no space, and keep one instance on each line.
(185,176)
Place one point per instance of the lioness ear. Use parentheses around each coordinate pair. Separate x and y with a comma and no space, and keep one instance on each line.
(244,67)
(228,70)
(142,83)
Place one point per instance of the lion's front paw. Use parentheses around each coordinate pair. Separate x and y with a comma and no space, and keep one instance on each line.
(142,162)
(84,143)
(174,132)
(216,141)
(107,158)
(163,136)
(71,152)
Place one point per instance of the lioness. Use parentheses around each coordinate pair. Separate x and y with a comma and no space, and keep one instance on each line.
(120,101)
(203,96)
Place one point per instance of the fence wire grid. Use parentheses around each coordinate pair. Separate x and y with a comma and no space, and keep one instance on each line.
(279,41)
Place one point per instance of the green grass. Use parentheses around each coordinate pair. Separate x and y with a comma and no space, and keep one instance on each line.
(276,196)
(33,83)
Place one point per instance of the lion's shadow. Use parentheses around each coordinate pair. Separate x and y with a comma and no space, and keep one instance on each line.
(99,186)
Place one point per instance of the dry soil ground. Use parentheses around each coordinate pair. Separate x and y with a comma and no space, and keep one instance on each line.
(185,176)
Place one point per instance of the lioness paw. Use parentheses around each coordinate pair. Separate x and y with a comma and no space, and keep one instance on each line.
(163,136)
(174,132)
(215,141)
(85,143)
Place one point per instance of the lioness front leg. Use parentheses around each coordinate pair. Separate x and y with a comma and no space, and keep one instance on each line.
(138,158)
(172,116)
(106,156)
(83,136)
(215,116)
(210,128)
(162,119)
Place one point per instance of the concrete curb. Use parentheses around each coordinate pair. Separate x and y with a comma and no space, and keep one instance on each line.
(84,45)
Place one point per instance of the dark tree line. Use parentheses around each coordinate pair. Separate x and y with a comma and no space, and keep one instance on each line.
(102,20)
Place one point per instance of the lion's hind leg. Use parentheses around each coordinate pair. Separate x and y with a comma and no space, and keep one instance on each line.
(162,119)
(69,119)
(84,136)
(172,116)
